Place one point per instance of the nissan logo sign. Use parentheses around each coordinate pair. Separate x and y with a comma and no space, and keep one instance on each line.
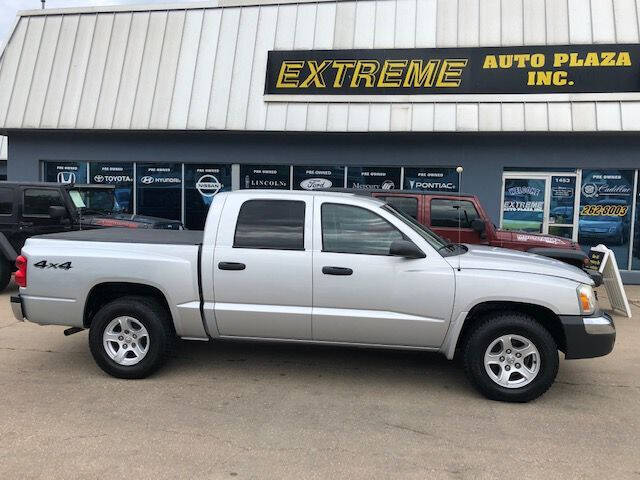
(208,185)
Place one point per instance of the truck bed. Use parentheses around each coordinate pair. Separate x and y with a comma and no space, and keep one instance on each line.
(131,235)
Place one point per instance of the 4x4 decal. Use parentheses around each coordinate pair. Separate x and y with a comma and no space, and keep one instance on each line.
(44,264)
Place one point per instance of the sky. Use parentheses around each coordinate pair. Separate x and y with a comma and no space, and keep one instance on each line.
(8,8)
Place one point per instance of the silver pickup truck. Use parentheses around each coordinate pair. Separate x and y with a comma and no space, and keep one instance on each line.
(311,267)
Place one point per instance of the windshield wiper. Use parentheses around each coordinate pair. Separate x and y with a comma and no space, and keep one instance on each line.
(449,246)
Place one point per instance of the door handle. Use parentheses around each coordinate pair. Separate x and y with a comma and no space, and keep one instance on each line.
(231,266)
(336,271)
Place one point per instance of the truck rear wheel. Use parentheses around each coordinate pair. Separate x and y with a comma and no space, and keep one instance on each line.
(130,337)
(510,357)
(5,273)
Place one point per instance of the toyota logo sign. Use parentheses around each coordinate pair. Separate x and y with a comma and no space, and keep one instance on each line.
(99,178)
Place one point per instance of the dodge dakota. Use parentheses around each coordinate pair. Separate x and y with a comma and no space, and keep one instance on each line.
(314,267)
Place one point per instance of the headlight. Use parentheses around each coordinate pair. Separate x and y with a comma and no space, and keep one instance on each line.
(587,299)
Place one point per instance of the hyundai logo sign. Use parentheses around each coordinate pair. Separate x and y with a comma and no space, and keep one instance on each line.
(147,180)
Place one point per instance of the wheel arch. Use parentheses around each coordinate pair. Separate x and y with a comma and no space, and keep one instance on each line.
(106,292)
(543,315)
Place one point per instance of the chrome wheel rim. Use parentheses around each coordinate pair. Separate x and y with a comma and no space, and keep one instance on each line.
(512,361)
(126,340)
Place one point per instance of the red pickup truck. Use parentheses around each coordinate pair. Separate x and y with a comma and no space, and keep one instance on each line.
(439,212)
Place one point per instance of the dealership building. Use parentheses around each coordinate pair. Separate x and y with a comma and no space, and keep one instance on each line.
(538,101)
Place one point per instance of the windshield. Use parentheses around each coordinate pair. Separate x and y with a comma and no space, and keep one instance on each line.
(434,240)
(95,200)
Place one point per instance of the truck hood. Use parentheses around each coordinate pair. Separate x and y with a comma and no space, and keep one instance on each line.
(480,257)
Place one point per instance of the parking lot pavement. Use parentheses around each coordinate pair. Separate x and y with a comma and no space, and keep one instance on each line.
(273,411)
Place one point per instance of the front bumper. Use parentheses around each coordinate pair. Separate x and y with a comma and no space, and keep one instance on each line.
(16,308)
(588,337)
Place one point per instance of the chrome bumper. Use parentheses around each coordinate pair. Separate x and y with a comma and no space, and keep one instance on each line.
(16,308)
(601,325)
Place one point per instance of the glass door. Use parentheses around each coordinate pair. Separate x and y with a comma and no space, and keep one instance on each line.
(540,203)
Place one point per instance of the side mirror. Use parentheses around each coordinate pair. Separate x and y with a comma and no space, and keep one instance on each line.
(478,225)
(57,212)
(406,249)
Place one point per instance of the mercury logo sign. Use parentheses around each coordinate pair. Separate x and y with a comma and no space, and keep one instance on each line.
(316,183)
(208,185)
(388,185)
(66,177)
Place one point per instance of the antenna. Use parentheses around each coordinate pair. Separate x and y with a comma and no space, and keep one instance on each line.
(459,170)
(43,2)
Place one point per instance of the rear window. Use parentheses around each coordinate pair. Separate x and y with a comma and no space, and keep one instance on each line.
(270,224)
(38,200)
(444,213)
(6,201)
(408,205)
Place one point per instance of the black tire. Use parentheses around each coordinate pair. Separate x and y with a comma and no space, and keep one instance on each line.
(148,312)
(5,273)
(491,328)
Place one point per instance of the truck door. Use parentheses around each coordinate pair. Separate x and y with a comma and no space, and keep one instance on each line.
(34,213)
(262,267)
(451,219)
(361,294)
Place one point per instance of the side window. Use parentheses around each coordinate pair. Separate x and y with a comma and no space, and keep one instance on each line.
(38,200)
(349,229)
(444,213)
(6,201)
(408,205)
(272,224)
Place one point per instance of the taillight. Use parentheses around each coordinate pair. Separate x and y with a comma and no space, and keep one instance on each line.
(21,273)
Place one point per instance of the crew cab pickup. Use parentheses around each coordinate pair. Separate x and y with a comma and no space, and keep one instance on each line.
(314,267)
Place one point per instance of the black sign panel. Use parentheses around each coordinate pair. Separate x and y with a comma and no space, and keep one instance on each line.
(485,70)
(118,174)
(595,260)
(433,179)
(201,184)
(314,178)
(159,190)
(273,177)
(65,172)
(386,178)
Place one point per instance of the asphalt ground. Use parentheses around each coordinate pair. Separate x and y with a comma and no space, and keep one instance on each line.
(276,411)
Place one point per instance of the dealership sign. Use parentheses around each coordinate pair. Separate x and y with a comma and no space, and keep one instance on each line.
(613,68)
(433,179)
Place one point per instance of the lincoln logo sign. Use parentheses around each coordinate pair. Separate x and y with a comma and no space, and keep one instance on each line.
(486,70)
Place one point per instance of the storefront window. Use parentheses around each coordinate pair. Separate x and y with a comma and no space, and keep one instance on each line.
(314,178)
(118,174)
(65,172)
(385,178)
(523,206)
(431,179)
(606,200)
(159,190)
(273,177)
(201,184)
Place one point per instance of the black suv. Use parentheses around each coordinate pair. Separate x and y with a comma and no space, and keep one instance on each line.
(28,209)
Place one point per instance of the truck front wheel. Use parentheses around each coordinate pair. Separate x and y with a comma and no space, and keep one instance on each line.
(510,357)
(130,337)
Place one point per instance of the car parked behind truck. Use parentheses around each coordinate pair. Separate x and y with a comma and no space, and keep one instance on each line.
(320,268)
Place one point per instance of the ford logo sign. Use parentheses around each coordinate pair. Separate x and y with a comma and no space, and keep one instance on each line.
(147,180)
(316,183)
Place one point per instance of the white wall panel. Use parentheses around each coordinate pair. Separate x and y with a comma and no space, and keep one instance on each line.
(358,120)
(512,22)
(426,17)
(10,62)
(560,117)
(95,71)
(512,117)
(405,26)
(181,97)
(557,22)
(4,148)
(422,117)
(625,15)
(535,29)
(201,91)
(604,30)
(583,116)
(126,94)
(363,37)
(401,114)
(379,117)
(385,25)
(490,23)
(59,71)
(630,116)
(70,103)
(579,21)
(489,117)
(468,23)
(447,23)
(24,75)
(241,80)
(112,71)
(609,116)
(444,117)
(167,70)
(536,117)
(338,114)
(42,72)
(467,119)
